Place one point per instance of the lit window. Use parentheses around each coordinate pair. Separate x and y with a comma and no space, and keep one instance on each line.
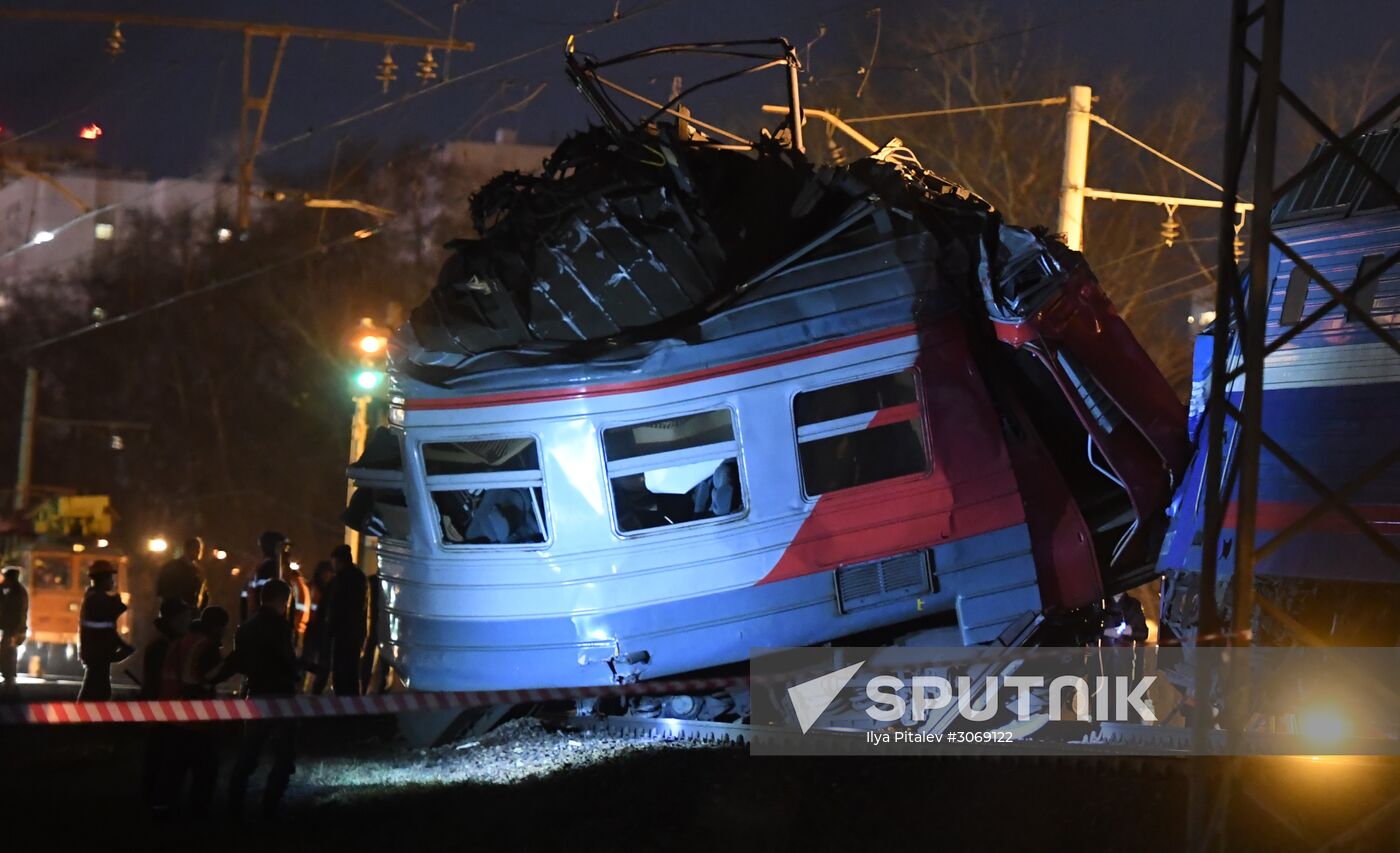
(858,433)
(487,491)
(103,231)
(674,471)
(52,574)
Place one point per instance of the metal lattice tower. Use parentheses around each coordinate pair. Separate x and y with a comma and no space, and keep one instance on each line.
(1256,95)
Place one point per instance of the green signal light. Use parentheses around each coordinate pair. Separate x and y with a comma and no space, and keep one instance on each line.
(369,379)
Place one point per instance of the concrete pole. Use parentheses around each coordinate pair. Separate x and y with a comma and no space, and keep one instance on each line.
(28,416)
(1076,167)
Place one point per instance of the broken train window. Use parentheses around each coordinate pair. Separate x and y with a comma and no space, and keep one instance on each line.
(487,491)
(674,471)
(378,507)
(859,432)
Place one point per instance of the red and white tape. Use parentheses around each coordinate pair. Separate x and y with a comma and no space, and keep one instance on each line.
(292,707)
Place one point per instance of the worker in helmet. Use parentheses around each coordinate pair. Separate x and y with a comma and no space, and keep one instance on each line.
(14,627)
(99,644)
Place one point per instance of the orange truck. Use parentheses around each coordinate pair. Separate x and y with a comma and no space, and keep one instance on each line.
(69,535)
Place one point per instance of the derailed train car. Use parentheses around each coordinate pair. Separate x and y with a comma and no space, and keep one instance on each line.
(686,396)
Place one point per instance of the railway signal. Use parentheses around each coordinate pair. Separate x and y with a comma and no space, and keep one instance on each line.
(370,343)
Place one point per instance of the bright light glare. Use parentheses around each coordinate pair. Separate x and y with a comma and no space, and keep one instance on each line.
(79,547)
(102,543)
(91,131)
(220,554)
(157,545)
(224,235)
(367,379)
(43,237)
(295,566)
(371,344)
(1323,726)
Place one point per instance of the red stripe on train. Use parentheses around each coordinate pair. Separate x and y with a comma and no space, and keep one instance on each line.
(548,395)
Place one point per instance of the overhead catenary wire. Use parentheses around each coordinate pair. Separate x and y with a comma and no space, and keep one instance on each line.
(223,283)
(476,72)
(1040,102)
(1103,122)
(350,118)
(185,296)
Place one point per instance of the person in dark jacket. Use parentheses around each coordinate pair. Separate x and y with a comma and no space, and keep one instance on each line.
(275,549)
(346,621)
(316,648)
(375,672)
(14,628)
(162,745)
(263,653)
(99,644)
(182,577)
(200,654)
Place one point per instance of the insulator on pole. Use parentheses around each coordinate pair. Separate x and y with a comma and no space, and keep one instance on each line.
(116,42)
(427,67)
(1171,229)
(388,69)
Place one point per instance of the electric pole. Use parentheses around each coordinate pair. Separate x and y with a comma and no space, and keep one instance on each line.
(28,416)
(1076,166)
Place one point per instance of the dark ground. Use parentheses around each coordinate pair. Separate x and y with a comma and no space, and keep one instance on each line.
(75,785)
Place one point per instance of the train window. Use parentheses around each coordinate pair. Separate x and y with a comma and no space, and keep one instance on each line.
(1294,297)
(381,452)
(858,433)
(480,457)
(382,513)
(52,574)
(378,508)
(487,491)
(1365,296)
(674,471)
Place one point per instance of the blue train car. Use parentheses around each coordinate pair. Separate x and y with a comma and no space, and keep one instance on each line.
(1331,399)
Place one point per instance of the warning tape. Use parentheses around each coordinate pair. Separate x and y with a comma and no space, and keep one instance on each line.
(294,707)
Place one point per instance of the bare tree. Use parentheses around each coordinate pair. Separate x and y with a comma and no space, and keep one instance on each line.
(954,57)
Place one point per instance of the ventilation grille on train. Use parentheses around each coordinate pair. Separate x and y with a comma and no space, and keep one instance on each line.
(879,581)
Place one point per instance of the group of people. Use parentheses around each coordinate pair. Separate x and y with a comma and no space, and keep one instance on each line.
(287,629)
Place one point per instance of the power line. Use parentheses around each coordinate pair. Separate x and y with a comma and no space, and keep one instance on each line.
(436,87)
(219,285)
(349,119)
(178,298)
(952,111)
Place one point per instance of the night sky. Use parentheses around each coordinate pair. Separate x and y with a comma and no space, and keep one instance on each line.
(169,104)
